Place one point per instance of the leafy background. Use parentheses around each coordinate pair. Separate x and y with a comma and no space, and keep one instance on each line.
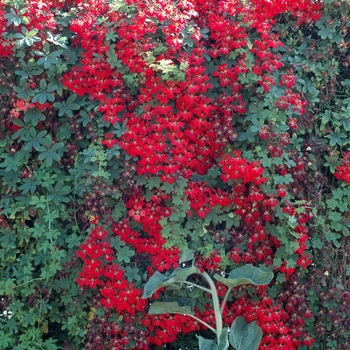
(76,190)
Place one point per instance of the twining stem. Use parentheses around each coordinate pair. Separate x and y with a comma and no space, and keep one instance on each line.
(75,210)
(218,317)
(33,280)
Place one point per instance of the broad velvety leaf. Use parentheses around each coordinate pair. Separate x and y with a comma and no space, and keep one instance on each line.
(208,344)
(187,259)
(188,255)
(173,305)
(158,280)
(247,274)
(245,336)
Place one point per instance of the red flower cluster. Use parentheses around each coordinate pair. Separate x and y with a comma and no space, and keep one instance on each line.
(179,103)
(280,332)
(202,198)
(5,45)
(304,11)
(185,130)
(165,328)
(100,271)
(237,168)
(342,171)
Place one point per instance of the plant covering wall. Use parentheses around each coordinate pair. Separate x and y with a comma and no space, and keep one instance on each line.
(132,131)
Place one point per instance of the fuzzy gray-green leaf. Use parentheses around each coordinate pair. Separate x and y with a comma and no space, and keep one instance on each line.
(245,336)
(208,344)
(172,305)
(158,280)
(246,274)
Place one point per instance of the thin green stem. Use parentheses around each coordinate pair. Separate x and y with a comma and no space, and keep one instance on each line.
(198,286)
(215,297)
(37,344)
(21,284)
(48,212)
(224,300)
(202,322)
(75,193)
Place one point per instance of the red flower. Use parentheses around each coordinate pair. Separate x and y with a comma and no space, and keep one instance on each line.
(304,261)
(342,171)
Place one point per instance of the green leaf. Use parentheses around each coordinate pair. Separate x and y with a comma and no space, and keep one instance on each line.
(42,97)
(332,203)
(45,93)
(59,193)
(16,306)
(43,84)
(286,179)
(16,19)
(55,85)
(132,274)
(158,280)
(346,124)
(112,58)
(247,274)
(336,137)
(185,258)
(245,336)
(6,340)
(116,243)
(28,69)
(153,181)
(71,99)
(49,58)
(173,305)
(10,163)
(73,240)
(24,92)
(317,242)
(29,185)
(35,140)
(167,187)
(49,157)
(27,38)
(281,277)
(124,254)
(11,325)
(7,239)
(334,216)
(208,344)
(28,319)
(33,116)
(39,203)
(67,107)
(41,257)
(49,152)
(333,237)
